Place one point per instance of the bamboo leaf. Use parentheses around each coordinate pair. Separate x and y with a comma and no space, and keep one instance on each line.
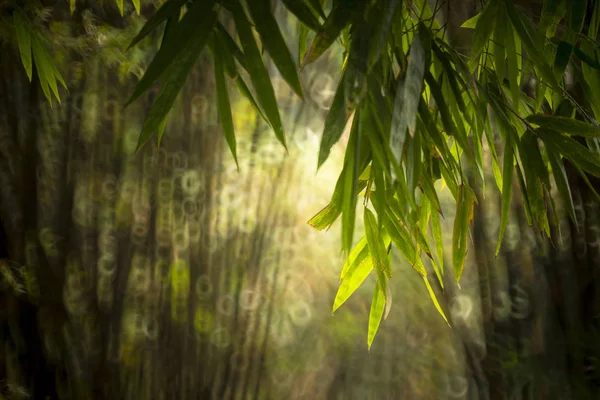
(120,6)
(382,29)
(179,39)
(223,105)
(335,123)
(512,65)
(350,171)
(272,39)
(471,23)
(578,154)
(562,183)
(354,277)
(436,303)
(136,6)
(377,309)
(44,67)
(565,125)
(176,74)
(336,21)
(464,214)
(24,41)
(303,13)
(357,255)
(483,28)
(377,247)
(507,179)
(168,9)
(436,230)
(72,4)
(258,73)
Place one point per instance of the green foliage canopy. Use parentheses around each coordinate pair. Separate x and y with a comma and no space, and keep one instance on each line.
(419,110)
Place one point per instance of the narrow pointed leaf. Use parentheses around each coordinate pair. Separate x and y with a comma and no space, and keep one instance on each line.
(24,42)
(377,309)
(175,76)
(179,39)
(565,125)
(483,28)
(168,9)
(335,122)
(353,278)
(357,255)
(223,105)
(436,303)
(562,184)
(507,179)
(120,6)
(273,41)
(336,21)
(377,247)
(303,13)
(136,6)
(578,154)
(258,73)
(464,214)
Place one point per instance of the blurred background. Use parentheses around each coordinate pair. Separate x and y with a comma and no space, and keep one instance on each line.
(171,274)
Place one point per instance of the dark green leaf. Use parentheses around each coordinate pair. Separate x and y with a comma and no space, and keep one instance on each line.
(335,122)
(273,41)
(168,9)
(578,154)
(565,125)
(562,183)
(223,105)
(258,73)
(507,179)
(24,41)
(180,37)
(483,28)
(464,214)
(176,74)
(377,247)
(336,21)
(303,13)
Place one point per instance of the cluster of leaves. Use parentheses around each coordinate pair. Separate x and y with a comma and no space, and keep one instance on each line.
(418,110)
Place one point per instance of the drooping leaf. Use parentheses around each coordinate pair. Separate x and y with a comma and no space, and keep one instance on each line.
(471,23)
(24,41)
(507,179)
(120,6)
(384,17)
(377,247)
(258,73)
(436,230)
(464,214)
(354,277)
(136,6)
(339,17)
(565,125)
(72,4)
(335,123)
(357,255)
(562,183)
(483,28)
(223,105)
(273,41)
(350,172)
(499,46)
(575,152)
(168,9)
(176,74)
(436,303)
(301,10)
(179,39)
(512,64)
(377,309)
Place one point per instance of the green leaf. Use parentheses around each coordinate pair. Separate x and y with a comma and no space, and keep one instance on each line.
(382,28)
(401,238)
(72,4)
(464,214)
(436,230)
(223,105)
(407,99)
(24,41)
(176,74)
(350,172)
(377,309)
(45,68)
(336,21)
(180,37)
(507,179)
(512,65)
(524,30)
(354,277)
(436,303)
(565,125)
(483,28)
(168,9)
(578,154)
(471,23)
(120,6)
(357,255)
(377,247)
(136,5)
(272,39)
(499,46)
(327,216)
(335,122)
(258,73)
(303,13)
(562,183)
(316,6)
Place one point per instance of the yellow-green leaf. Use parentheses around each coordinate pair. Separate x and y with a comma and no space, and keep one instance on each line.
(24,41)
(377,309)
(377,247)
(464,214)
